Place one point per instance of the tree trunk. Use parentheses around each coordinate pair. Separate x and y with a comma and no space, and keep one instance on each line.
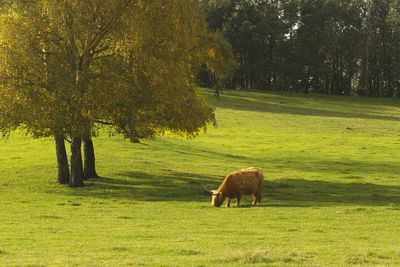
(89,160)
(77,175)
(62,160)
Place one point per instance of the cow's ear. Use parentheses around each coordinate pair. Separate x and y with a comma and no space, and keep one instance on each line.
(208,191)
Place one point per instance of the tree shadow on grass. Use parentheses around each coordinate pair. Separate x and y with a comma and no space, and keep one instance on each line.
(279,106)
(278,193)
(297,192)
(146,187)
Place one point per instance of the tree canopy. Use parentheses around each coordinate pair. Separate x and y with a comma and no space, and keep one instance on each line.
(345,47)
(67,67)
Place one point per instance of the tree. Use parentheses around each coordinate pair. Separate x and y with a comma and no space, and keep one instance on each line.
(381,55)
(28,83)
(219,63)
(258,32)
(322,46)
(71,65)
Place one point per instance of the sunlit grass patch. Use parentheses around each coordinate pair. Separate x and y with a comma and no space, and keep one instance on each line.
(249,257)
(369,258)
(265,257)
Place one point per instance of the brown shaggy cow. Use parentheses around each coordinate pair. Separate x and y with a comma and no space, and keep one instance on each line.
(235,185)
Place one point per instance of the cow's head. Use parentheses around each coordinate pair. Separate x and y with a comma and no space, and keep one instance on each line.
(217,198)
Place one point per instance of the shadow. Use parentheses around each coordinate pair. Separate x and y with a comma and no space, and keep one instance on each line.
(177,187)
(142,186)
(297,192)
(308,105)
(344,168)
(206,154)
(347,168)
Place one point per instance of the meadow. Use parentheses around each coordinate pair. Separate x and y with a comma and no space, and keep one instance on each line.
(331,195)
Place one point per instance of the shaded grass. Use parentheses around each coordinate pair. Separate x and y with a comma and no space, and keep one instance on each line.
(186,187)
(331,196)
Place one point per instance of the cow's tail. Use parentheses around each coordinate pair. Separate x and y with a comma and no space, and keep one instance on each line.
(260,184)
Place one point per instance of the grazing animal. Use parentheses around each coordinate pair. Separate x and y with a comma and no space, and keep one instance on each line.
(235,185)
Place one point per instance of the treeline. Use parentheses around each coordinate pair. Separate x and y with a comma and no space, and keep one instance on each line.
(342,47)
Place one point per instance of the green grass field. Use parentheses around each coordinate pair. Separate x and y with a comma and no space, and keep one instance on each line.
(331,197)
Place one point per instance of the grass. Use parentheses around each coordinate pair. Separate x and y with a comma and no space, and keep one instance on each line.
(331,197)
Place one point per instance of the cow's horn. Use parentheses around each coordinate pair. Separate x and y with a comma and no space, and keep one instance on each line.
(207,190)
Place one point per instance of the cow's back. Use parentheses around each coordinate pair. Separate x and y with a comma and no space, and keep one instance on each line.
(244,182)
(252,180)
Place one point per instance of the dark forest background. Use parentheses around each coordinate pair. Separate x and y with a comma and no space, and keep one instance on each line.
(338,47)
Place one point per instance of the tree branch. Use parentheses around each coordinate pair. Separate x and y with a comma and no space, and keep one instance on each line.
(103,122)
(103,56)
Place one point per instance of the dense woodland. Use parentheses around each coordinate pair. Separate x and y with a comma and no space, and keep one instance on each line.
(341,47)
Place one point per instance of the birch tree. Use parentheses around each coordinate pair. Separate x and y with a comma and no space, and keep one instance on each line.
(69,66)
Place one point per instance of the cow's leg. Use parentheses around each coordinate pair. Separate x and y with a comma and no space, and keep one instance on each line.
(259,197)
(228,203)
(254,197)
(238,198)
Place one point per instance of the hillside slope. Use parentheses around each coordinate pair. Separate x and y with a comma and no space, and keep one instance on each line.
(331,197)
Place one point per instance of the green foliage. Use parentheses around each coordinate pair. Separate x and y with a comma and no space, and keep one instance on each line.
(219,59)
(67,66)
(331,196)
(381,60)
(156,90)
(336,47)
